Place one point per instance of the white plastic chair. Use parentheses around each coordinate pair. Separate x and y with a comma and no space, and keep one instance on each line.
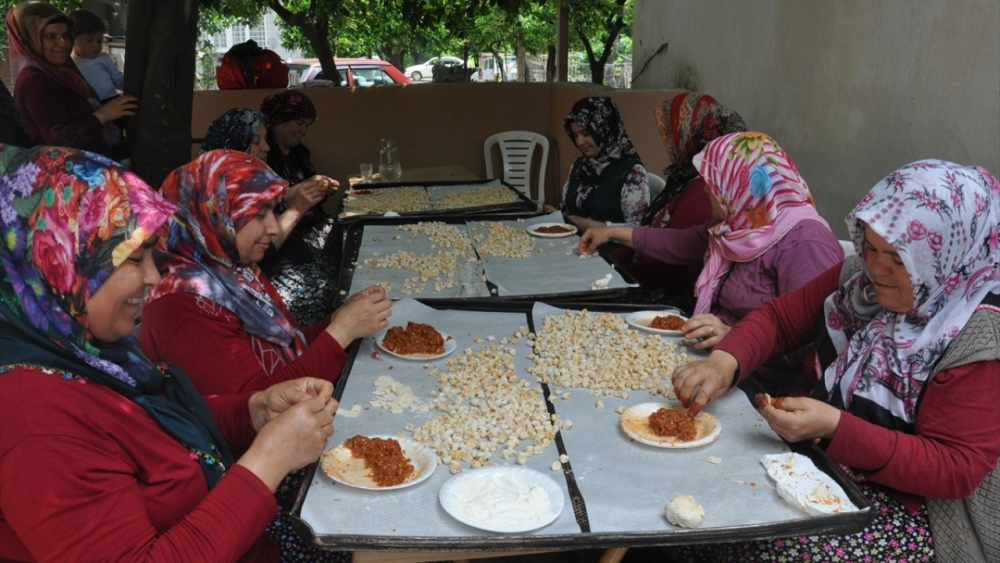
(848,247)
(517,149)
(656,185)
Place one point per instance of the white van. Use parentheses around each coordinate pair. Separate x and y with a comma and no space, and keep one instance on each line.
(487,71)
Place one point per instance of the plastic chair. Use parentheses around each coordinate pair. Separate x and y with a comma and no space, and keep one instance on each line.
(656,185)
(517,149)
(848,247)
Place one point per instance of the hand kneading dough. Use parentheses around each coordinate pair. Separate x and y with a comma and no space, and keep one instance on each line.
(684,511)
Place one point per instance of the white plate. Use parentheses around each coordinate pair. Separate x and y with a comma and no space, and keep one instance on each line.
(641,320)
(449,346)
(635,423)
(532,230)
(498,487)
(801,483)
(342,467)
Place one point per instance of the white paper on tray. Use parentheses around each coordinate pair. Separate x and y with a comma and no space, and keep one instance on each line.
(556,269)
(802,484)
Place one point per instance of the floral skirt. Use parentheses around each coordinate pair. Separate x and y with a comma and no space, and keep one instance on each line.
(293,546)
(893,535)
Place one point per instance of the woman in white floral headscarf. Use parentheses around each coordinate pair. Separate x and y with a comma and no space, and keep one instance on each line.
(908,369)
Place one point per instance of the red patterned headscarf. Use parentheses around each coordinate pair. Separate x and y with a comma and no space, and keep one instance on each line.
(287,105)
(763,196)
(216,195)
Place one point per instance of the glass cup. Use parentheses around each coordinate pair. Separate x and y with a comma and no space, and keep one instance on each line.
(366,173)
(388,164)
(470,278)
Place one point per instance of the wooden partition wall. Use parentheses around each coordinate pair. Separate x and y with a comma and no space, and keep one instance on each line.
(445,124)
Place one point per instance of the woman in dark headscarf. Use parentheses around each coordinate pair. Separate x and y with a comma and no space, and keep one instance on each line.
(55,102)
(104,453)
(687,122)
(303,270)
(607,184)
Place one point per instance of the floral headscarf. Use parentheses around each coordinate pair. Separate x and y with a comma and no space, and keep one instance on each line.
(233,130)
(600,118)
(69,218)
(763,196)
(287,105)
(217,194)
(944,221)
(687,122)
(25,23)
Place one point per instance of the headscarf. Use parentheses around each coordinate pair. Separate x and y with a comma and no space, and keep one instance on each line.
(233,130)
(944,221)
(687,122)
(763,197)
(68,219)
(217,194)
(25,23)
(600,118)
(287,105)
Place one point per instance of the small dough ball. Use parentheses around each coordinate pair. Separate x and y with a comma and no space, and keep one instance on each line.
(685,512)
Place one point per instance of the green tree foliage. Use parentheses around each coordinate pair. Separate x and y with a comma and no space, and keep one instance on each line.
(597,25)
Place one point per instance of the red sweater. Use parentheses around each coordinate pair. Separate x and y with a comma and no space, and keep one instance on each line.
(85,473)
(957,439)
(209,343)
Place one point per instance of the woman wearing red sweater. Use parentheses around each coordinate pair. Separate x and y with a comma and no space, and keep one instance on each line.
(104,454)
(907,369)
(214,313)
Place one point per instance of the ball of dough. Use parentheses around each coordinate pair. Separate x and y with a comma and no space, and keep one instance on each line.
(684,511)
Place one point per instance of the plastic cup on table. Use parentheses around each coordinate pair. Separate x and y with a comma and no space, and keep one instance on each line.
(366,173)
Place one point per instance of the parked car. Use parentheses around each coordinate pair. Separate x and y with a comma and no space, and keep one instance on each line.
(487,71)
(426,69)
(353,72)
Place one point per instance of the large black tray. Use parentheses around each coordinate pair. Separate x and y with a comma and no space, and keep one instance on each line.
(835,524)
(354,235)
(522,205)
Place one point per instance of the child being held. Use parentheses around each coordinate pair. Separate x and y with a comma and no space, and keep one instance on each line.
(95,65)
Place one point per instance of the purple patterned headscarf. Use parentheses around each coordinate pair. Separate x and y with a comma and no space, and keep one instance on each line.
(944,221)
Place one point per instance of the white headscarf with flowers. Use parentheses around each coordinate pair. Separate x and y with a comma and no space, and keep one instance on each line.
(944,221)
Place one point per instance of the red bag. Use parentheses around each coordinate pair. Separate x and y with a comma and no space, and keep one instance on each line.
(248,66)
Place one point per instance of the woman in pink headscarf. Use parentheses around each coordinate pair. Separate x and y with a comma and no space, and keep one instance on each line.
(55,102)
(765,240)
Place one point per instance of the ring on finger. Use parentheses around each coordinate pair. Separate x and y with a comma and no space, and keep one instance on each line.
(711,330)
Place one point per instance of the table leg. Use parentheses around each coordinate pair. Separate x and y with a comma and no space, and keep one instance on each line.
(613,555)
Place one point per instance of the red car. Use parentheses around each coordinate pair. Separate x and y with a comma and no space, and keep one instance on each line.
(362,73)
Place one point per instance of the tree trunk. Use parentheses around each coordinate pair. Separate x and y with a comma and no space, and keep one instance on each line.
(316,28)
(550,65)
(522,62)
(159,71)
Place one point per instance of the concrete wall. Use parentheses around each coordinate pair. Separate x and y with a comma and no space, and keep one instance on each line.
(852,89)
(444,124)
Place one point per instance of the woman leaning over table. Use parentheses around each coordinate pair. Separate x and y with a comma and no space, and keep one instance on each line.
(214,313)
(608,183)
(105,454)
(55,102)
(766,240)
(304,270)
(687,122)
(908,371)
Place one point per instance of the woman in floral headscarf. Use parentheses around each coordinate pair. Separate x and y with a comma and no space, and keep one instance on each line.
(102,451)
(687,122)
(908,370)
(55,102)
(608,184)
(304,269)
(215,313)
(766,239)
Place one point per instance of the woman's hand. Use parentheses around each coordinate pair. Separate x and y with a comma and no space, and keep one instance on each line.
(307,193)
(548,208)
(595,237)
(802,418)
(697,383)
(267,404)
(706,326)
(117,107)
(362,314)
(293,439)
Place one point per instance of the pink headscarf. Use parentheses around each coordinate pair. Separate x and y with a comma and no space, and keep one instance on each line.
(25,23)
(763,196)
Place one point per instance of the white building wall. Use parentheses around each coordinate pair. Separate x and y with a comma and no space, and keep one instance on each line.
(266,34)
(852,89)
